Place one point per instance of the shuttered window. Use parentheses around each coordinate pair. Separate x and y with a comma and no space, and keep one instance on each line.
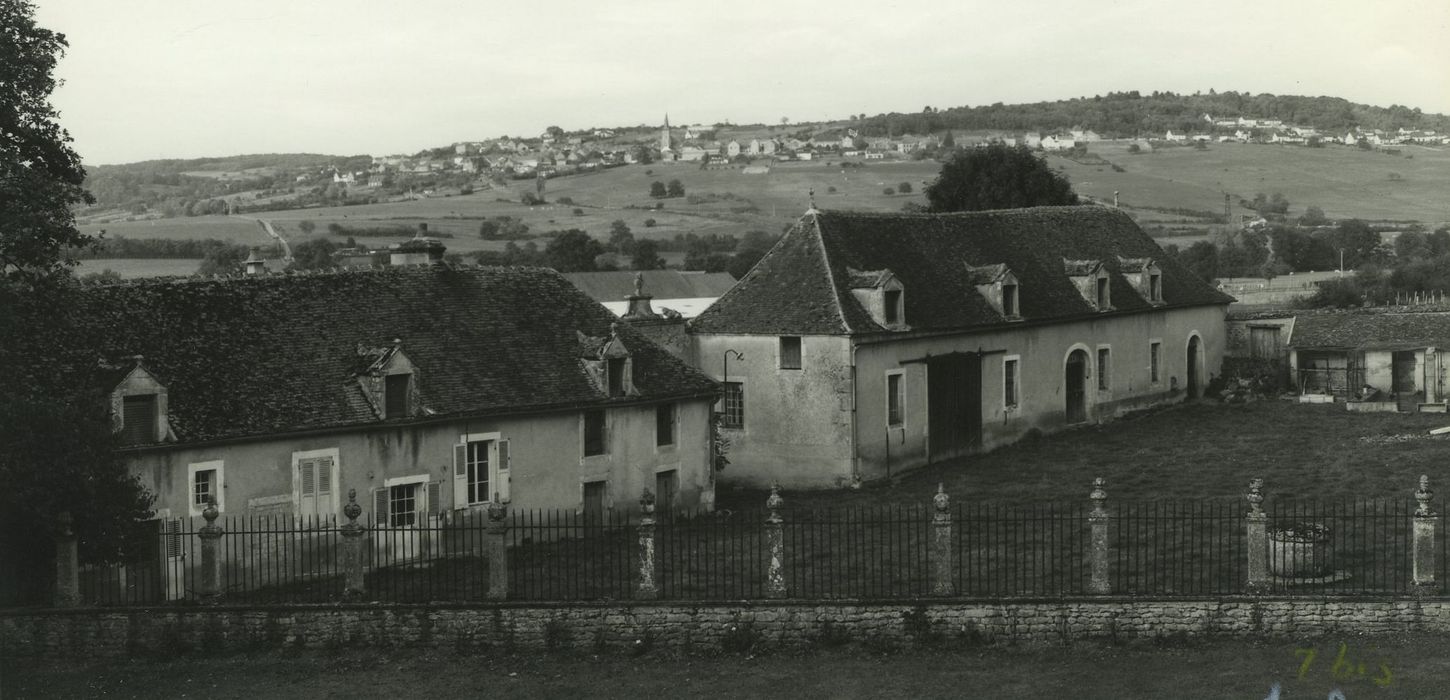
(138,419)
(790,352)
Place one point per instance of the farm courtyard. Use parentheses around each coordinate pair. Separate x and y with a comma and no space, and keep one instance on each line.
(1190,451)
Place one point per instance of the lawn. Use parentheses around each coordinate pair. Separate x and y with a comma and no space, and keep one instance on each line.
(1190,451)
(1400,667)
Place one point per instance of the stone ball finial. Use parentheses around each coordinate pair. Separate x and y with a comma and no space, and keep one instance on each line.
(647,503)
(497,509)
(1424,494)
(210,512)
(639,284)
(352,510)
(774,502)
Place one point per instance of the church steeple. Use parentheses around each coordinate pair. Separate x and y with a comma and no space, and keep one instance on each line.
(666,143)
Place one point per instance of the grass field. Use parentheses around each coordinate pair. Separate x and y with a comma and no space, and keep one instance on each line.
(1344,182)
(1417,668)
(130,268)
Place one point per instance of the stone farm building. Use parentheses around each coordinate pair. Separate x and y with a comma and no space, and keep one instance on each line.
(1374,359)
(864,344)
(430,390)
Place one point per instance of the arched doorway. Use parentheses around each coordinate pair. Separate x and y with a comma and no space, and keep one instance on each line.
(1195,381)
(1076,378)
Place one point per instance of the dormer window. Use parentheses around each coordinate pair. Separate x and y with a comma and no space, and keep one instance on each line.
(1145,276)
(615,370)
(1092,280)
(891,305)
(395,401)
(998,286)
(882,295)
(138,407)
(608,362)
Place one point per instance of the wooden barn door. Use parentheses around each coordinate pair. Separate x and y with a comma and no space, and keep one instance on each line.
(954,404)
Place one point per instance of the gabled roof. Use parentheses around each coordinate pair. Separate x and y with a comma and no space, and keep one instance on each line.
(272,354)
(802,286)
(1371,330)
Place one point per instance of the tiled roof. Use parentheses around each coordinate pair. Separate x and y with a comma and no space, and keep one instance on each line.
(261,355)
(1364,330)
(803,285)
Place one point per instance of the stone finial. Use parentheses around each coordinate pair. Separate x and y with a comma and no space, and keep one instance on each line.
(614,330)
(497,509)
(1255,496)
(1423,495)
(647,503)
(210,512)
(639,284)
(352,510)
(774,503)
(1099,496)
(811,195)
(941,500)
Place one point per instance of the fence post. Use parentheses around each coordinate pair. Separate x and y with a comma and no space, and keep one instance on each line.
(67,564)
(1424,541)
(647,587)
(1098,551)
(943,548)
(352,548)
(775,542)
(497,549)
(210,585)
(1256,529)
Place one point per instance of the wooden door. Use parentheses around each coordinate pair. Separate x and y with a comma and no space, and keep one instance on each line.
(1076,378)
(1403,372)
(1264,342)
(954,404)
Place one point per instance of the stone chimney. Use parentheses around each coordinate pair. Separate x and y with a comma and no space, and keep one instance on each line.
(254,264)
(421,249)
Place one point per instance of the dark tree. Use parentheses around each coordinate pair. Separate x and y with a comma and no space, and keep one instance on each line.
(904,188)
(315,254)
(307,227)
(657,190)
(224,260)
(572,251)
(41,178)
(676,189)
(621,239)
(647,256)
(997,177)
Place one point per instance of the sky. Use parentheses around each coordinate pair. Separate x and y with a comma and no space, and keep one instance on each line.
(146,79)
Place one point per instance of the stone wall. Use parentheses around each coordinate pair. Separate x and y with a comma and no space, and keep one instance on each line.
(701,627)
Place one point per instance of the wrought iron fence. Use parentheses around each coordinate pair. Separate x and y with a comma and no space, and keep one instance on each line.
(1155,548)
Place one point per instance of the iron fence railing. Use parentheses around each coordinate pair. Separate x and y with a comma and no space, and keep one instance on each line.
(1155,548)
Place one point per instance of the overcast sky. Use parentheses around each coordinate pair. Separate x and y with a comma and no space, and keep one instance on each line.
(151,79)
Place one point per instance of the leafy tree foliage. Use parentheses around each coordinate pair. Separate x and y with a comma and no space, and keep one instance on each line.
(572,251)
(314,254)
(997,177)
(621,239)
(675,189)
(40,175)
(647,256)
(658,190)
(224,260)
(306,226)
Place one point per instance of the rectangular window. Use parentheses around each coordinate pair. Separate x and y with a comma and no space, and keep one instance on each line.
(1154,350)
(1155,287)
(593,433)
(206,483)
(594,503)
(1102,293)
(138,419)
(1009,300)
(667,487)
(665,425)
(895,400)
(477,478)
(403,505)
(203,487)
(395,401)
(734,404)
(615,368)
(1104,383)
(790,352)
(1010,380)
(893,306)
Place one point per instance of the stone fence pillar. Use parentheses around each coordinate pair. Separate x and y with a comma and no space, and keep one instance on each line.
(353,559)
(498,549)
(775,543)
(1256,530)
(67,564)
(1098,549)
(647,588)
(209,583)
(1425,522)
(943,546)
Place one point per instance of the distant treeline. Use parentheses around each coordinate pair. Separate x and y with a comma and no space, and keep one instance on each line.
(1127,114)
(122,247)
